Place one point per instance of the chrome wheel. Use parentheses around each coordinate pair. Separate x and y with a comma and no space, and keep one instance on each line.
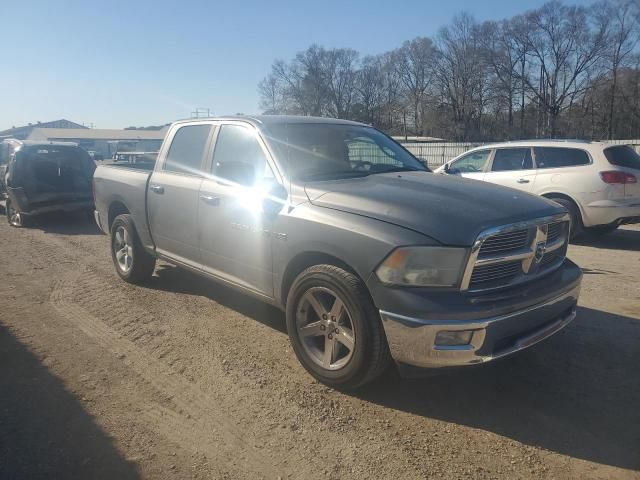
(123,248)
(325,328)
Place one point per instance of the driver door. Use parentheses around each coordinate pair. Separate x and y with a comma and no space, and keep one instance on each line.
(235,231)
(472,165)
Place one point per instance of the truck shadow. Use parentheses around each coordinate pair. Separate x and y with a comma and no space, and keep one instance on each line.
(624,238)
(176,280)
(44,430)
(576,394)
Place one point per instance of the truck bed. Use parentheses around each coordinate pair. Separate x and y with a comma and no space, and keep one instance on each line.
(128,186)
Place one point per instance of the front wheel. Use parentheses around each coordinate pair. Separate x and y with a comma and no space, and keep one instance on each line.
(335,329)
(133,263)
(14,217)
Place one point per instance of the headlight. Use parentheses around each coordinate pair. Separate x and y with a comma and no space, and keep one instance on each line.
(423,267)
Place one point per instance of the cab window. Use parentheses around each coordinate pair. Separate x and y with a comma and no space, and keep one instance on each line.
(509,159)
(471,163)
(238,156)
(187,150)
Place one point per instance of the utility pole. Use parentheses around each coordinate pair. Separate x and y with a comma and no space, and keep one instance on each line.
(201,113)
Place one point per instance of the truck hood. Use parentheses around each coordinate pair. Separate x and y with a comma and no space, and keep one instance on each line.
(449,209)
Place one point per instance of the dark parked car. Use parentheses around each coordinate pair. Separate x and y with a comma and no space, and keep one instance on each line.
(46,177)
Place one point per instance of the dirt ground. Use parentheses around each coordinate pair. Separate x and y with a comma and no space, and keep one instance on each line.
(182,378)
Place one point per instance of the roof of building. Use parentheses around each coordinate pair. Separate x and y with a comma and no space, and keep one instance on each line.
(25,129)
(40,134)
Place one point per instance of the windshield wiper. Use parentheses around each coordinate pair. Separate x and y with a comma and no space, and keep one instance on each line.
(399,169)
(336,174)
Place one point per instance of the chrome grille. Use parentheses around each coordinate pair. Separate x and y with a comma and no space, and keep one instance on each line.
(551,257)
(487,274)
(516,253)
(505,242)
(555,231)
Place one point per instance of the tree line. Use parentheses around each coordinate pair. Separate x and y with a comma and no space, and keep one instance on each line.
(557,71)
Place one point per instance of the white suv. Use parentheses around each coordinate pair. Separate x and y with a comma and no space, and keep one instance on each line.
(597,182)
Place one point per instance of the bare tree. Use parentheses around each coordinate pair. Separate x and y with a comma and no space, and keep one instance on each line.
(415,62)
(339,71)
(370,86)
(623,39)
(504,55)
(565,42)
(560,68)
(462,72)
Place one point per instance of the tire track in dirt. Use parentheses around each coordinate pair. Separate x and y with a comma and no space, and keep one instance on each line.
(193,421)
(189,416)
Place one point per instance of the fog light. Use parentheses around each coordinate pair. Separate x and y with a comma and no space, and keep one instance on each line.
(454,338)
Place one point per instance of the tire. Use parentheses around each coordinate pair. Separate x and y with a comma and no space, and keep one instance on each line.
(576,228)
(314,331)
(15,218)
(132,262)
(601,229)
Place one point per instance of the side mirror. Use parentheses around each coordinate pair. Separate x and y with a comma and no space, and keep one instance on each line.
(276,198)
(446,168)
(241,173)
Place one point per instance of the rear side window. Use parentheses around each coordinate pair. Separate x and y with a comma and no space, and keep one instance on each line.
(557,157)
(187,149)
(506,159)
(622,156)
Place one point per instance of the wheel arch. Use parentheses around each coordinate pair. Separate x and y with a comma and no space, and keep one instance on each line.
(116,208)
(552,195)
(307,259)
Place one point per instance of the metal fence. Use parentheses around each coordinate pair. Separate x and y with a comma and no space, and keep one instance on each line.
(436,154)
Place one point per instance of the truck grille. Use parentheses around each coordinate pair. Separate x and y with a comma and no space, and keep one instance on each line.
(516,253)
(505,242)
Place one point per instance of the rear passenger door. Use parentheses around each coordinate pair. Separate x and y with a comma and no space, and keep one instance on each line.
(512,167)
(172,198)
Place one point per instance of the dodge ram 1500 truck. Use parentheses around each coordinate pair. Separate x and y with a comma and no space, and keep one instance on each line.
(371,256)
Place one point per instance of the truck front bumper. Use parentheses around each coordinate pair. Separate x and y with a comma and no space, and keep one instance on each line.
(427,342)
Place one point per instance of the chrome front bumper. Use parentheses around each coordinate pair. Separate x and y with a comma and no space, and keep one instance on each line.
(412,341)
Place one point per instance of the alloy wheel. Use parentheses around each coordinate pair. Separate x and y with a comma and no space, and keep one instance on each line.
(325,328)
(123,248)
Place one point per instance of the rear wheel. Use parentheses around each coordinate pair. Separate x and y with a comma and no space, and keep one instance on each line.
(133,263)
(334,328)
(576,218)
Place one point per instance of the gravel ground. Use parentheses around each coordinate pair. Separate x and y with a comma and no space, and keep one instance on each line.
(182,378)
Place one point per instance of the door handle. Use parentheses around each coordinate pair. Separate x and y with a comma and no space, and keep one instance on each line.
(159,189)
(523,180)
(210,200)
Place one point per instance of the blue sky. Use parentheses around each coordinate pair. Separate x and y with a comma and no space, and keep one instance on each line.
(121,63)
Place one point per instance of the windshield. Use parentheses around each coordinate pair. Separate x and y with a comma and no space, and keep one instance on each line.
(623,156)
(320,151)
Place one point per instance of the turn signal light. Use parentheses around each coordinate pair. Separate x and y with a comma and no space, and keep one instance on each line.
(618,177)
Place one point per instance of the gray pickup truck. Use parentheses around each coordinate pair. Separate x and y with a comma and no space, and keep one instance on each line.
(371,255)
